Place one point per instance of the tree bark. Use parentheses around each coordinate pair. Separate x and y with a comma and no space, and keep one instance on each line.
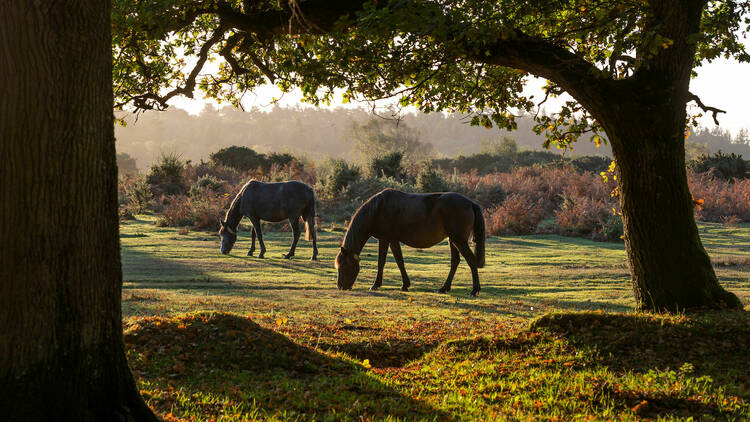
(61,349)
(670,269)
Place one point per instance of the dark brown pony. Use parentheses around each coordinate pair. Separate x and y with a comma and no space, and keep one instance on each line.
(419,220)
(271,202)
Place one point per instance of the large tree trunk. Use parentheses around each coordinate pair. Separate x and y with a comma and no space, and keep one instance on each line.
(61,349)
(670,268)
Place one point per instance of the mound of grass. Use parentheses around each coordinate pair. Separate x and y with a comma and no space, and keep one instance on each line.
(565,366)
(218,366)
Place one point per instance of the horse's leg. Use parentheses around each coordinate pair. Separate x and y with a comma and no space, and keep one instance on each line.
(455,259)
(294,224)
(259,233)
(471,259)
(382,253)
(396,249)
(252,245)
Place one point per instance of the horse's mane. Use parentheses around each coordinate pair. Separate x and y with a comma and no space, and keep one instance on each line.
(358,231)
(234,209)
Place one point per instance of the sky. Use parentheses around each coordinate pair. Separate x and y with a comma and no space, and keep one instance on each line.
(724,84)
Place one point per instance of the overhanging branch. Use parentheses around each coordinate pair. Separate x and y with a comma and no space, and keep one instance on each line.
(713,110)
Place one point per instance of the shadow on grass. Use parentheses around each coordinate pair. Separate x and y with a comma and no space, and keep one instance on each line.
(715,344)
(651,366)
(212,365)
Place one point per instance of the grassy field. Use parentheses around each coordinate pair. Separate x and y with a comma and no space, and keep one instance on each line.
(215,337)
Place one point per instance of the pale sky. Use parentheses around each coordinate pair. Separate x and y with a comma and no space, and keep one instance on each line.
(724,84)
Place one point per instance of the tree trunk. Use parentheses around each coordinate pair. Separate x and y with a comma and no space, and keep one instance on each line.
(670,269)
(61,349)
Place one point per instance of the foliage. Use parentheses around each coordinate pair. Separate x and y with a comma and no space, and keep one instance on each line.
(206,182)
(388,165)
(240,158)
(380,137)
(336,175)
(505,146)
(138,193)
(720,200)
(166,177)
(725,166)
(518,214)
(429,179)
(126,164)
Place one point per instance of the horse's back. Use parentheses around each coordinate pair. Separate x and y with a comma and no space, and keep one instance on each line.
(275,201)
(423,219)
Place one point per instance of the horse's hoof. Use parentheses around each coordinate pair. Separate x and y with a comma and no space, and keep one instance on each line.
(405,289)
(373,288)
(250,253)
(314,258)
(261,256)
(287,256)
(474,294)
(442,291)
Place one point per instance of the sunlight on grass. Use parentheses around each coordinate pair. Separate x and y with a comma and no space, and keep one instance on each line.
(276,340)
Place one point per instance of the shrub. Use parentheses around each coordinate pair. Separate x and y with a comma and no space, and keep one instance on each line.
(613,229)
(430,180)
(722,199)
(240,158)
(518,215)
(201,211)
(138,193)
(592,163)
(338,174)
(218,171)
(582,216)
(206,182)
(389,165)
(725,166)
(166,177)
(126,164)
(176,212)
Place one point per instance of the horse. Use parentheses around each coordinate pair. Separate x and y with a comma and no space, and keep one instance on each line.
(419,220)
(271,202)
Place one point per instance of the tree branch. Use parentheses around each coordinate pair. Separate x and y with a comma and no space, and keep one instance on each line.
(713,110)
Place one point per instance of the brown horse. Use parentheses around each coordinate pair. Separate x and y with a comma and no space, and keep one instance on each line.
(271,202)
(419,220)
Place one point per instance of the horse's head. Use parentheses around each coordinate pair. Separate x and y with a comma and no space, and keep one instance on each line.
(228,237)
(347,263)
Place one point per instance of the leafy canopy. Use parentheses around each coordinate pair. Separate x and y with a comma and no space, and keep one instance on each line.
(466,56)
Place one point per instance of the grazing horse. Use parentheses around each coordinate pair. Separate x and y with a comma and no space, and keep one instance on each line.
(270,202)
(419,220)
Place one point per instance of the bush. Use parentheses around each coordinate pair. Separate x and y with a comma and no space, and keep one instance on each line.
(201,211)
(389,165)
(206,182)
(723,200)
(518,215)
(138,193)
(582,216)
(166,177)
(240,158)
(339,175)
(725,166)
(592,163)
(430,180)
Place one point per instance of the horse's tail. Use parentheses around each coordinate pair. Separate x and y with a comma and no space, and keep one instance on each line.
(479,237)
(309,217)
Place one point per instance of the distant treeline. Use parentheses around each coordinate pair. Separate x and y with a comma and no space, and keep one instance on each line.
(320,133)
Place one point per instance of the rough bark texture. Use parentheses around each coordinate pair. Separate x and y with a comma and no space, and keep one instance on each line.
(645,122)
(670,268)
(61,349)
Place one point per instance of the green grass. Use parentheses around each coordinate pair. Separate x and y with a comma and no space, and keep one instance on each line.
(275,339)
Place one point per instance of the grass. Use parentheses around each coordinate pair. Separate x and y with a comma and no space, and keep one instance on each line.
(552,335)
